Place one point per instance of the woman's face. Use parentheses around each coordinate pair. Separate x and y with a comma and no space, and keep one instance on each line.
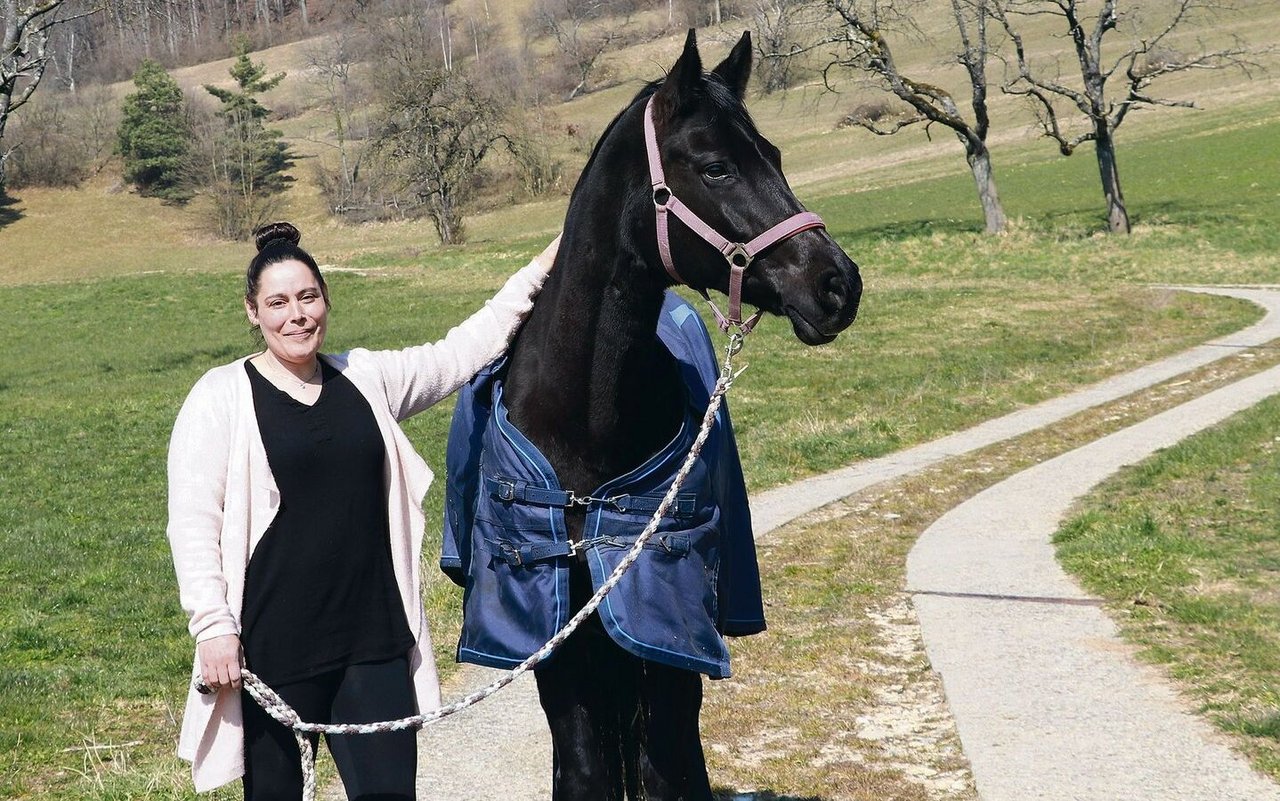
(291,312)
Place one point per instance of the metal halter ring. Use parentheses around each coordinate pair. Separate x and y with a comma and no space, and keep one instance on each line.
(739,257)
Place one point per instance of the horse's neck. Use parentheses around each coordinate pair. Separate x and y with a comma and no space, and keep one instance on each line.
(589,382)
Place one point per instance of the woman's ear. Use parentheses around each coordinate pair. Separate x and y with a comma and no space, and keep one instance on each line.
(251,311)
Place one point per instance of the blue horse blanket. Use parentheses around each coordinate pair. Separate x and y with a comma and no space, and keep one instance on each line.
(505,540)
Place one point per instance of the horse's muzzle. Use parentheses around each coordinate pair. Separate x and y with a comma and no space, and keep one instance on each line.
(830,305)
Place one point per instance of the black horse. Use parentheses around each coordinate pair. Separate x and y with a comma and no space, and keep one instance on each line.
(590,385)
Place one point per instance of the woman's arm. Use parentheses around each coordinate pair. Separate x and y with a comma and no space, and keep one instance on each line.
(418,377)
(198,458)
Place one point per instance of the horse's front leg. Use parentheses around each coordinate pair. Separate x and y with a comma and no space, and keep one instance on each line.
(670,760)
(589,695)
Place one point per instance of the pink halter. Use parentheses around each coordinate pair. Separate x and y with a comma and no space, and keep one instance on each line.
(739,255)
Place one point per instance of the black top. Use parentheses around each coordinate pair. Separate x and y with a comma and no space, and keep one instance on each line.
(320,591)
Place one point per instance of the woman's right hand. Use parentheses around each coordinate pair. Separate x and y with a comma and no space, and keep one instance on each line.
(220,660)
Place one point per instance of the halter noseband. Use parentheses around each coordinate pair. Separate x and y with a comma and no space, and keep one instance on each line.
(738,254)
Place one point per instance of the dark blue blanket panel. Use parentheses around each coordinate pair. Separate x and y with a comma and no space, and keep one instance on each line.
(505,539)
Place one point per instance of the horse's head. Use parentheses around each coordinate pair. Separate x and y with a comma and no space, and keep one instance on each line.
(730,176)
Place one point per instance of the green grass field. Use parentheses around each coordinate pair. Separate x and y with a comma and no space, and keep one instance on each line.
(111,306)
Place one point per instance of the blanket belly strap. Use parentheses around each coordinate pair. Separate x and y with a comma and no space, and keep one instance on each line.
(518,554)
(510,490)
(515,491)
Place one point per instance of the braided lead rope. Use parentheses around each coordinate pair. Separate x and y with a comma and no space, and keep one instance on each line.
(279,709)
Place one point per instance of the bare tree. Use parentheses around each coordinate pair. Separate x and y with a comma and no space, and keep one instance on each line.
(62,138)
(780,37)
(583,33)
(437,127)
(348,188)
(24,55)
(1147,58)
(411,32)
(862,37)
(699,13)
(434,125)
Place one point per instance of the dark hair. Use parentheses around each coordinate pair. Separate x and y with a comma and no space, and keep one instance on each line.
(277,242)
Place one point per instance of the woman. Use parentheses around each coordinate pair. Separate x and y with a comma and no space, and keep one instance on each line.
(296,526)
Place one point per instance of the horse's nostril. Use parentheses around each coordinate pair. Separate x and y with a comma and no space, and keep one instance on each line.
(835,291)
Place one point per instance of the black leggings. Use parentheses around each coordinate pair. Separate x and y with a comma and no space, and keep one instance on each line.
(373,767)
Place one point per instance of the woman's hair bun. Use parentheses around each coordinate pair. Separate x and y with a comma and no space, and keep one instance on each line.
(266,234)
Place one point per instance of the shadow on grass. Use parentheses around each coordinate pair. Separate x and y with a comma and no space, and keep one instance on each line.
(760,795)
(9,213)
(1066,224)
(906,229)
(1222,214)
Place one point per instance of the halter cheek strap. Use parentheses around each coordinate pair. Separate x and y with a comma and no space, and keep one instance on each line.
(739,255)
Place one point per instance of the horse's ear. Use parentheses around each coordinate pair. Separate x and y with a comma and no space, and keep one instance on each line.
(736,67)
(685,76)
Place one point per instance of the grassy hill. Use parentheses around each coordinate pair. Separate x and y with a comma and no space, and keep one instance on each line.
(112,305)
(103,229)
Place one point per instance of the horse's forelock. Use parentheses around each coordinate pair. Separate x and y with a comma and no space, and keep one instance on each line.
(712,91)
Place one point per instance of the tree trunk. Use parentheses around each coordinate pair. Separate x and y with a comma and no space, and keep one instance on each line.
(446,41)
(4,157)
(1117,214)
(4,151)
(69,76)
(144,28)
(979,159)
(171,29)
(448,222)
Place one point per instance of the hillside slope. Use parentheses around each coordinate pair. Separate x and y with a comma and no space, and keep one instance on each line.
(104,229)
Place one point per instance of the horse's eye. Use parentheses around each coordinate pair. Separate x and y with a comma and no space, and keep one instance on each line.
(715,171)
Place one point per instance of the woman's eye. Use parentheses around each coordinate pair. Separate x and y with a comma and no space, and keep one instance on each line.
(715,171)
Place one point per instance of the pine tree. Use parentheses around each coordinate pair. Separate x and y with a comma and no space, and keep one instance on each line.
(154,137)
(250,161)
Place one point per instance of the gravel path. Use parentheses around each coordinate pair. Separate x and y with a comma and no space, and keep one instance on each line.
(500,749)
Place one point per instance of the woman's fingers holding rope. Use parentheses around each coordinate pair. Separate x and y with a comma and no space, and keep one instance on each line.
(220,660)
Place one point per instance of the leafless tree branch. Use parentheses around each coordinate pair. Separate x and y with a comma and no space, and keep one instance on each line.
(1134,70)
(861,44)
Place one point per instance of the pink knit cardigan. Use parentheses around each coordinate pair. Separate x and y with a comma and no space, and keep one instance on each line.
(222,497)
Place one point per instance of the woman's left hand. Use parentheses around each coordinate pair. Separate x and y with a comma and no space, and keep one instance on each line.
(220,659)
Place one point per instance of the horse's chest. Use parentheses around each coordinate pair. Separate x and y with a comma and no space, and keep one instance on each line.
(593,440)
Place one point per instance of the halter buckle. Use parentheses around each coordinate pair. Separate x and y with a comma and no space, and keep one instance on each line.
(739,257)
(662,195)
